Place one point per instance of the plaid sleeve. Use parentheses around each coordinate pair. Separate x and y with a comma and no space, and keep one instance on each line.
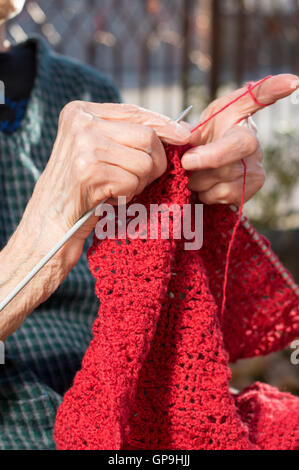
(43,355)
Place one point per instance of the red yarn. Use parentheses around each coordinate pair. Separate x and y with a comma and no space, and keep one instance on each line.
(156,373)
(230,246)
(250,87)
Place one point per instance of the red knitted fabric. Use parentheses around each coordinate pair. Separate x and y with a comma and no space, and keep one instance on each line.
(156,373)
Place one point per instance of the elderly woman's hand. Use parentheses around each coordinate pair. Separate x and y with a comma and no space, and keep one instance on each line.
(220,145)
(102,151)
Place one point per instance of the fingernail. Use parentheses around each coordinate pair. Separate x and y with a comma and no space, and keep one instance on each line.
(295,84)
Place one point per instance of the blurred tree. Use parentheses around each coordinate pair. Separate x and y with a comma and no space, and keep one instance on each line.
(271,205)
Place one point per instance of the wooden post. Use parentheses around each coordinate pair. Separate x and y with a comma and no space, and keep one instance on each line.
(215,49)
(186,31)
(240,43)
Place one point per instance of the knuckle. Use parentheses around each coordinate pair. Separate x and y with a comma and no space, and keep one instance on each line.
(71,116)
(149,137)
(147,164)
(222,192)
(219,194)
(81,169)
(260,179)
(250,142)
(70,108)
(81,144)
(80,163)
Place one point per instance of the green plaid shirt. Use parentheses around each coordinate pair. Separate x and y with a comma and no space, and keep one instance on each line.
(43,356)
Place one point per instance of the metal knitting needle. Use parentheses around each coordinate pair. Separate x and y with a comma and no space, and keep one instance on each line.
(183,114)
(63,241)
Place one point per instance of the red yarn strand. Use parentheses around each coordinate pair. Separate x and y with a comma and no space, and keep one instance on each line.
(231,243)
(250,87)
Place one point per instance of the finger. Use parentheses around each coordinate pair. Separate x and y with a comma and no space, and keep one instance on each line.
(268,92)
(134,161)
(115,182)
(204,180)
(168,130)
(140,138)
(237,143)
(106,151)
(231,193)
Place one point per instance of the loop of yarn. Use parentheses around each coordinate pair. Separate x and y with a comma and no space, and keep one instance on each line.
(250,87)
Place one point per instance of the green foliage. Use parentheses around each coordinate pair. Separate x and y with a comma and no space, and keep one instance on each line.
(282,168)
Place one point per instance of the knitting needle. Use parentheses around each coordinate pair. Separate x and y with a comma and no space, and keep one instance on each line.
(183,114)
(63,240)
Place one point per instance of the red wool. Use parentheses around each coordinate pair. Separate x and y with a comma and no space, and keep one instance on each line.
(156,374)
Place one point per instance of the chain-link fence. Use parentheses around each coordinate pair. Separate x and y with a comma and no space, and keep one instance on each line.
(144,45)
(158,44)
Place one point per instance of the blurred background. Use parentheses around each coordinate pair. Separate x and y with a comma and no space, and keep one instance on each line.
(167,54)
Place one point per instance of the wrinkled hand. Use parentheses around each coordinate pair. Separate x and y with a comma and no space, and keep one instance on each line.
(102,151)
(220,145)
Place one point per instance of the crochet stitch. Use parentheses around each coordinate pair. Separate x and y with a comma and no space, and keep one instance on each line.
(156,373)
